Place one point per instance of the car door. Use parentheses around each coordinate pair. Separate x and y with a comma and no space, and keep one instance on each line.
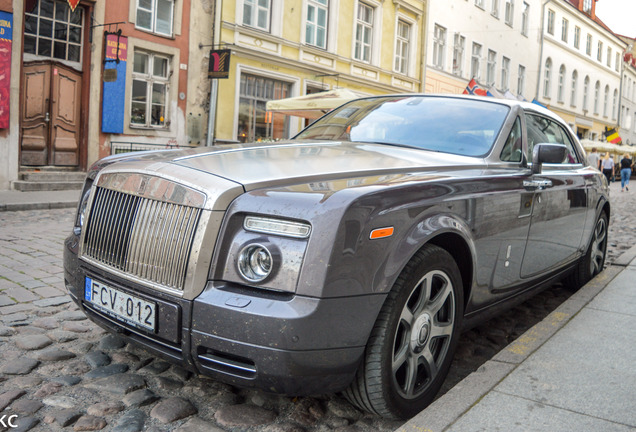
(560,202)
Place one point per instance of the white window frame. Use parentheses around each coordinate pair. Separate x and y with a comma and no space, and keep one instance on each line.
(547,78)
(606,101)
(312,28)
(617,62)
(521,80)
(475,60)
(364,51)
(505,73)
(551,18)
(565,24)
(587,6)
(525,18)
(577,37)
(480,4)
(561,84)
(491,68)
(251,20)
(494,10)
(153,16)
(150,79)
(439,46)
(588,45)
(597,95)
(609,56)
(599,51)
(509,13)
(459,47)
(573,90)
(586,92)
(614,104)
(402,63)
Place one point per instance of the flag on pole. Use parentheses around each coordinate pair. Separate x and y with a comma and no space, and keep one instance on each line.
(474,89)
(612,135)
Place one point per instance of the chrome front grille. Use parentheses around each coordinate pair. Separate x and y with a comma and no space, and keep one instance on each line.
(147,239)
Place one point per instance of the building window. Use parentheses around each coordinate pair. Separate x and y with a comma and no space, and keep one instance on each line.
(149,90)
(505,73)
(439,45)
(586,92)
(254,123)
(521,80)
(475,61)
(575,83)
(51,30)
(609,57)
(588,45)
(577,37)
(256,13)
(564,30)
(551,22)
(599,51)
(510,11)
(587,6)
(458,54)
(155,16)
(546,78)
(491,66)
(605,101)
(316,26)
(614,104)
(495,8)
(525,17)
(402,47)
(597,91)
(480,3)
(617,63)
(561,84)
(364,33)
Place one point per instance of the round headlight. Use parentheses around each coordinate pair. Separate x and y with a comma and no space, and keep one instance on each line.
(255,262)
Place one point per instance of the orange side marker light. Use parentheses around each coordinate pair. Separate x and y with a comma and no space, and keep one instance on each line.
(381,233)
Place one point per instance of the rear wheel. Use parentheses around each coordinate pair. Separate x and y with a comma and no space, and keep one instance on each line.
(413,341)
(594,260)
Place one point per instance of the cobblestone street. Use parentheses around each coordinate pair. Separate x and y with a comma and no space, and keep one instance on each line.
(59,371)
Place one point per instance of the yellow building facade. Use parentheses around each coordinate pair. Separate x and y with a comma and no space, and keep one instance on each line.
(289,48)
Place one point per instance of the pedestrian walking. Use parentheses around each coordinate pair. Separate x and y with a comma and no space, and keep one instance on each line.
(626,171)
(594,158)
(607,165)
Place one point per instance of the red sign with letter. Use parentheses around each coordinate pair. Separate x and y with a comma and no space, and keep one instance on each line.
(73,4)
(6,42)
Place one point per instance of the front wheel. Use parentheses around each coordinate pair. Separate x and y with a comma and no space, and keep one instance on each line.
(414,338)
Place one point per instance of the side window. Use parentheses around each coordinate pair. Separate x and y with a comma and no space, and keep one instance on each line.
(544,130)
(512,149)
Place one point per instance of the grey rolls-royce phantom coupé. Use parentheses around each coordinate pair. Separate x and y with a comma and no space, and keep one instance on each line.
(346,259)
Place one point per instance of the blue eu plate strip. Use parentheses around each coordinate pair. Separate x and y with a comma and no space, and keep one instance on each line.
(87,289)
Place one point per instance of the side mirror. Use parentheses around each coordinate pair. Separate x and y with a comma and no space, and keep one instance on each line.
(547,153)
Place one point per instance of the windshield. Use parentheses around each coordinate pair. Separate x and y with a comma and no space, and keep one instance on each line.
(451,125)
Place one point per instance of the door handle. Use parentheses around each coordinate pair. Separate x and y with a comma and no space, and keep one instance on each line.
(537,184)
(47,118)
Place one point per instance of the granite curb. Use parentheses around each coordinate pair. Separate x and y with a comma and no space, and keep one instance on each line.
(41,200)
(442,413)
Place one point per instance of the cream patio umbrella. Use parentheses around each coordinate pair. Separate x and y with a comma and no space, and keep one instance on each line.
(313,106)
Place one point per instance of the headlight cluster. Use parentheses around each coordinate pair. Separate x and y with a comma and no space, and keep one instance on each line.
(80,219)
(271,259)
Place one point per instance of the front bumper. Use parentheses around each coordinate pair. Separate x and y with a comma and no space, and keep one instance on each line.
(281,343)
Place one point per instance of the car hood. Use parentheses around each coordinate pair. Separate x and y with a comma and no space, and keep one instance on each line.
(298,162)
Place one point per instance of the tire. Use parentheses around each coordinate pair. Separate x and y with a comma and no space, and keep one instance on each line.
(413,341)
(594,259)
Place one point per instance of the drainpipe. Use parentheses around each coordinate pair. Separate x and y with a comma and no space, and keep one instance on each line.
(424,45)
(541,49)
(214,83)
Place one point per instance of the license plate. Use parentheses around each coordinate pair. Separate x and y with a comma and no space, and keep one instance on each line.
(128,308)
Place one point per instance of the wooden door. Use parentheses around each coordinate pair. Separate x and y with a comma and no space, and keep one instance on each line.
(50,123)
(35,114)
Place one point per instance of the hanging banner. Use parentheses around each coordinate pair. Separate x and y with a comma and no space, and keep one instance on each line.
(6,43)
(73,4)
(219,67)
(114,95)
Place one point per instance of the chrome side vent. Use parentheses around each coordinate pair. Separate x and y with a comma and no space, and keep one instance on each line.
(145,238)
